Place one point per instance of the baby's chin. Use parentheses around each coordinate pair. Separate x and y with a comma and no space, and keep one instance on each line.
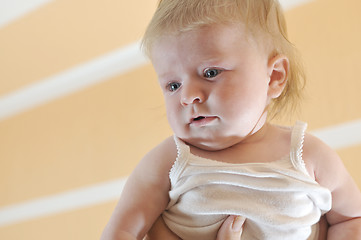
(211,144)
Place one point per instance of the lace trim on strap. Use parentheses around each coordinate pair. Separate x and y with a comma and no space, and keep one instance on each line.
(297,139)
(180,162)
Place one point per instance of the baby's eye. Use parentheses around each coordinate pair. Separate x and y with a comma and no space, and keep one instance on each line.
(211,72)
(173,86)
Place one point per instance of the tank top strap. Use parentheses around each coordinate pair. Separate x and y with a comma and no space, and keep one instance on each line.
(183,152)
(297,138)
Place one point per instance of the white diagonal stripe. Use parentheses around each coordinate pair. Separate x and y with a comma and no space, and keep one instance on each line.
(287,4)
(342,135)
(75,199)
(72,80)
(11,10)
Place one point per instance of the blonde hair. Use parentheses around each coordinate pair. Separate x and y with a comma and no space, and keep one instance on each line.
(264,19)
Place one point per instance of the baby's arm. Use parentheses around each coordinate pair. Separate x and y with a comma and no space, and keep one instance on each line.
(344,218)
(144,197)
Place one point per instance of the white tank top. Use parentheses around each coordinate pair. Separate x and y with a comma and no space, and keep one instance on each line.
(279,200)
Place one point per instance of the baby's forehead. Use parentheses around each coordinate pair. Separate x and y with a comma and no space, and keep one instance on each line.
(238,33)
(221,46)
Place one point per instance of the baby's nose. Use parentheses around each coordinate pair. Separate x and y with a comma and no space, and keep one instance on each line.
(192,94)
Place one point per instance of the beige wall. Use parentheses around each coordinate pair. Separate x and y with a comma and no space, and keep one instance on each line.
(99,133)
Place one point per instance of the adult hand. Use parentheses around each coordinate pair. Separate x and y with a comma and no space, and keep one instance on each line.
(231,228)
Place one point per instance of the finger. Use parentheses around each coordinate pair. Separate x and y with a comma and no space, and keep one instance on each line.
(237,224)
(231,228)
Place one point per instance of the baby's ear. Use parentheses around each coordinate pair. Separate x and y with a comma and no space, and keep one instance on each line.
(278,68)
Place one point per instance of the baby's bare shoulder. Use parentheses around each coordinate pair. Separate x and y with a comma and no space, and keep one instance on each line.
(319,157)
(331,173)
(164,154)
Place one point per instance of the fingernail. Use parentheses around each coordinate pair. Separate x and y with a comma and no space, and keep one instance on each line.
(238,223)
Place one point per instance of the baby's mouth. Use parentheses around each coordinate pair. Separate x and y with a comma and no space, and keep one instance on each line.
(202,121)
(199,118)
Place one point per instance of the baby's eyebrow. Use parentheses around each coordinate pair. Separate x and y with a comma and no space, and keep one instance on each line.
(212,61)
(215,62)
(166,77)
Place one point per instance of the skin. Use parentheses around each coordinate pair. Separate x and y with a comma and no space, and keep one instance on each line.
(189,93)
(202,74)
(231,229)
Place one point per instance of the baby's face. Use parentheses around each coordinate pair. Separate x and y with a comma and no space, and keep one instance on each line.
(215,83)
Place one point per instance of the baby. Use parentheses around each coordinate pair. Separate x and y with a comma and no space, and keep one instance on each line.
(225,68)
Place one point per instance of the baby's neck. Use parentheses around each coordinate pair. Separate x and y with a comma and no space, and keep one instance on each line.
(270,143)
